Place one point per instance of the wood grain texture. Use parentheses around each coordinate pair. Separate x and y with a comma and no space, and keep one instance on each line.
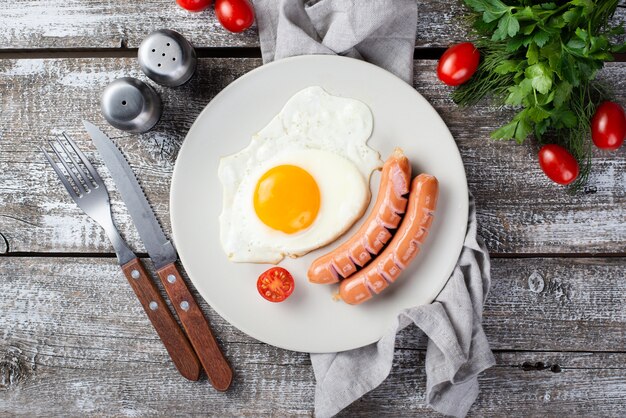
(534,304)
(521,384)
(71,343)
(519,209)
(196,327)
(162,319)
(99,24)
(115,24)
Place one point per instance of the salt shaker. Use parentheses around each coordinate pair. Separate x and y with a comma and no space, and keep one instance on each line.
(131,105)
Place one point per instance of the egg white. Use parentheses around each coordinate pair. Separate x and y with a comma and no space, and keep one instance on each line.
(326,136)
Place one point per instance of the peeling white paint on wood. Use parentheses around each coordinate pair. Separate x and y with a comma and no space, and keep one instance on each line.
(106,24)
(519,209)
(86,80)
(76,341)
(57,296)
(23,68)
(97,24)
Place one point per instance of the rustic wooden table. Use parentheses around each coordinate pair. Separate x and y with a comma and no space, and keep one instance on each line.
(74,340)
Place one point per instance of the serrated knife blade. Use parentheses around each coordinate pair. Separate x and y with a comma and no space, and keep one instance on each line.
(157,245)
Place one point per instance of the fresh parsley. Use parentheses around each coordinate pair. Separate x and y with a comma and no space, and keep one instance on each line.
(543,57)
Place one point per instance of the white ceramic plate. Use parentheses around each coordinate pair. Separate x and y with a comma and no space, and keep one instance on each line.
(310,320)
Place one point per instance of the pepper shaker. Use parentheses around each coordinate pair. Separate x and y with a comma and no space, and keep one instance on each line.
(167,58)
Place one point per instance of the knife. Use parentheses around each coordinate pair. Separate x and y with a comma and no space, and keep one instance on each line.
(164,257)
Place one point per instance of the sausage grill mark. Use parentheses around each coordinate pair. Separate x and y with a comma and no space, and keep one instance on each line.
(403,247)
(370,239)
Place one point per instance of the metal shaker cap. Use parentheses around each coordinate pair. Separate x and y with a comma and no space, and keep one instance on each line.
(130,105)
(167,58)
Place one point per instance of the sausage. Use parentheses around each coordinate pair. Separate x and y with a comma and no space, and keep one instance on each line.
(402,248)
(357,251)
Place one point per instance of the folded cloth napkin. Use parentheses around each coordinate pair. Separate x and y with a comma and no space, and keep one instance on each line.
(457,347)
(383,32)
(379,31)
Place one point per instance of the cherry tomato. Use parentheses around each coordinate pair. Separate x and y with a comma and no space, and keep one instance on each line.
(194,5)
(275,284)
(458,64)
(608,126)
(558,164)
(234,15)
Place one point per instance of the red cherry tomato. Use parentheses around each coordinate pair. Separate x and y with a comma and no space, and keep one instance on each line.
(458,64)
(275,284)
(608,126)
(194,5)
(234,15)
(558,164)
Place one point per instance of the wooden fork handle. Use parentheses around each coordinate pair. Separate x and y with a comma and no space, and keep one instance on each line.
(173,338)
(197,328)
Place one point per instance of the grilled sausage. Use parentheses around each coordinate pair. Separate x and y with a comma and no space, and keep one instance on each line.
(402,248)
(374,233)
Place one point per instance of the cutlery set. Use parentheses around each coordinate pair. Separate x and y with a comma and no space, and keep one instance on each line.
(196,347)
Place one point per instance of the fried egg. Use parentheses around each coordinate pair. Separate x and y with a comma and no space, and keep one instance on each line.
(301,182)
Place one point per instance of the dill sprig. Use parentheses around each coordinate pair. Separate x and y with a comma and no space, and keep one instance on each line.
(486,81)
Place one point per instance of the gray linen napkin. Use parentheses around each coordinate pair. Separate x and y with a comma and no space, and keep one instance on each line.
(379,31)
(457,348)
(383,32)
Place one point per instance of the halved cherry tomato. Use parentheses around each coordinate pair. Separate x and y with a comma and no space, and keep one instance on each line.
(275,284)
(194,5)
(608,126)
(234,15)
(558,164)
(458,64)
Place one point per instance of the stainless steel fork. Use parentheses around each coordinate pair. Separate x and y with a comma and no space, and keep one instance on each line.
(87,189)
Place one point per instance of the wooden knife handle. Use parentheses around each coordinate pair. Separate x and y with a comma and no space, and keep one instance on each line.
(197,328)
(164,323)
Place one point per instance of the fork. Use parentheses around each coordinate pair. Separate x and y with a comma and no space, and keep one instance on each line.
(91,195)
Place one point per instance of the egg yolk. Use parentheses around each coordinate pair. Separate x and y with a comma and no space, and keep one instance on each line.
(287,198)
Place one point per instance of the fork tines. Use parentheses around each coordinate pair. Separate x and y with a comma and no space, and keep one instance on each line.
(80,182)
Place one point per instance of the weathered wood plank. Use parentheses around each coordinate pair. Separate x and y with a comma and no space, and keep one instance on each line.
(558,304)
(75,341)
(520,385)
(580,306)
(519,210)
(34,24)
(74,24)
(265,386)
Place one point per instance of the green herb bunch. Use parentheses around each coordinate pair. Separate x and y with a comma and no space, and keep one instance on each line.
(543,57)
